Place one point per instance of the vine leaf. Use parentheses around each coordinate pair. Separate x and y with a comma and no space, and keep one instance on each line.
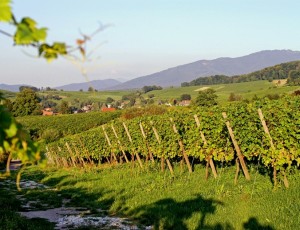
(52,52)
(27,33)
(5,11)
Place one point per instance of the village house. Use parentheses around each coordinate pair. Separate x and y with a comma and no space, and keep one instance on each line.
(185,103)
(48,112)
(107,108)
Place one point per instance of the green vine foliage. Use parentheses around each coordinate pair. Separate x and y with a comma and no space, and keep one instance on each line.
(282,118)
(65,124)
(15,141)
(28,34)
(5,9)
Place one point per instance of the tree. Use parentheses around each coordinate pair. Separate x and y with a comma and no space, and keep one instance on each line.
(91,89)
(8,104)
(294,77)
(48,104)
(206,98)
(64,108)
(184,97)
(109,100)
(26,103)
(21,88)
(234,97)
(147,89)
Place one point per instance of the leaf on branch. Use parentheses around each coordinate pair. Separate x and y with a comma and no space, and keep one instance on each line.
(52,52)
(27,33)
(5,11)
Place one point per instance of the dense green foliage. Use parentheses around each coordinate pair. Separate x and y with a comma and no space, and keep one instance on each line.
(147,88)
(280,71)
(206,98)
(282,118)
(15,141)
(64,108)
(294,77)
(51,128)
(26,103)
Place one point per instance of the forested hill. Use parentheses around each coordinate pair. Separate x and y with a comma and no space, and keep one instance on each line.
(280,71)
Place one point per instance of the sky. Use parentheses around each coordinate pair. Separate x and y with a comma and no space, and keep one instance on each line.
(146,36)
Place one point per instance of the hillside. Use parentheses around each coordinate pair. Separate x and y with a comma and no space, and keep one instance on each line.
(276,72)
(221,66)
(11,88)
(96,84)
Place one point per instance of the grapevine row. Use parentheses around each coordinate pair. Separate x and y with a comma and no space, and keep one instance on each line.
(279,149)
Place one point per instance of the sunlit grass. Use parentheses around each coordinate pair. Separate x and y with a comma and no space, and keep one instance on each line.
(186,201)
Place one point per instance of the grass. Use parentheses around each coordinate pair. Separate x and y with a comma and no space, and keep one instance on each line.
(246,89)
(186,201)
(99,96)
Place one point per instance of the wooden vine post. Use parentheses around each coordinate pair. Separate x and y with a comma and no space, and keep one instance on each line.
(237,148)
(145,138)
(263,122)
(64,160)
(109,143)
(119,142)
(182,148)
(71,154)
(130,139)
(87,155)
(57,163)
(162,159)
(49,156)
(78,155)
(211,162)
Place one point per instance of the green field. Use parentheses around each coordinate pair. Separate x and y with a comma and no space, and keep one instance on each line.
(246,89)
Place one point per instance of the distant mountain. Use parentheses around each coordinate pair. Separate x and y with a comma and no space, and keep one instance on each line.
(12,88)
(96,84)
(223,66)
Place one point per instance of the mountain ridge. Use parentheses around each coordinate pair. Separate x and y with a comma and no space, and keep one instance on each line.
(174,76)
(96,84)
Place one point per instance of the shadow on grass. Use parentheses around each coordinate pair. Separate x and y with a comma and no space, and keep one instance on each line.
(163,214)
(252,224)
(170,214)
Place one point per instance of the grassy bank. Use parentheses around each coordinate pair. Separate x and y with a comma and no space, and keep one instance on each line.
(186,201)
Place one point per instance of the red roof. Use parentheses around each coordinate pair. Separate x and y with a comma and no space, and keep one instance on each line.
(107,109)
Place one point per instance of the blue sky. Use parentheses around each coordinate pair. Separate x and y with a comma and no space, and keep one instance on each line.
(147,36)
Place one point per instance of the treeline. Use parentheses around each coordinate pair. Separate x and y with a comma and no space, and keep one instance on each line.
(289,70)
(147,88)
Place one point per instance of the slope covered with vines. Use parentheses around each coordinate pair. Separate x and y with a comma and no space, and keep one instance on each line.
(173,134)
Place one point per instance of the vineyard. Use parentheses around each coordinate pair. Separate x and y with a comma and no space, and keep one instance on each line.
(264,133)
(51,128)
